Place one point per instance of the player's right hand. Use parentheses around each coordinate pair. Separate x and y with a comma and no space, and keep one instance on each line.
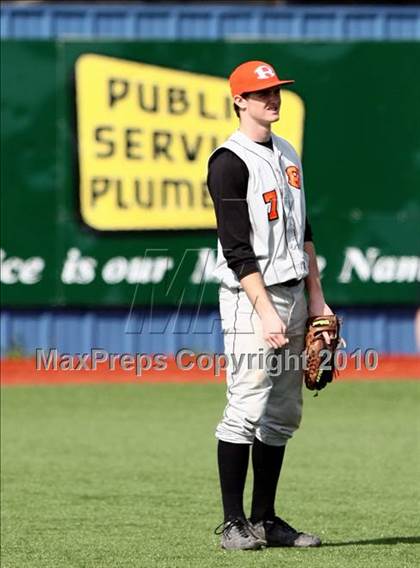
(274,330)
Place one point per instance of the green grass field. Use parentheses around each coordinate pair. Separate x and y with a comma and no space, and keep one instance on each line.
(125,475)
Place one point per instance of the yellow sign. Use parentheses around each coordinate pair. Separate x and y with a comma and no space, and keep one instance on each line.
(145,134)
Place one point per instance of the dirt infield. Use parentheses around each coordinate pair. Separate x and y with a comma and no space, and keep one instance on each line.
(24,372)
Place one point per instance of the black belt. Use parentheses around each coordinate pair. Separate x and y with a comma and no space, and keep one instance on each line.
(290,283)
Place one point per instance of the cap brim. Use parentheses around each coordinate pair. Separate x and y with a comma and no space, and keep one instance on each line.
(277,83)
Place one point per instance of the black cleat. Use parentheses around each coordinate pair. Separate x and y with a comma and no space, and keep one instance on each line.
(279,533)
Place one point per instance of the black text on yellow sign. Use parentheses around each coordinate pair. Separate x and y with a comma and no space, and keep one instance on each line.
(145,134)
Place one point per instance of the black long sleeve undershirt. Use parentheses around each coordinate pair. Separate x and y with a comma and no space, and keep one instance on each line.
(228,182)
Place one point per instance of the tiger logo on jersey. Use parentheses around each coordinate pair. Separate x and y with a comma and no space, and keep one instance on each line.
(293,176)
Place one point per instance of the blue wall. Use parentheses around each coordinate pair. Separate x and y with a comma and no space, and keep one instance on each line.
(390,331)
(210,22)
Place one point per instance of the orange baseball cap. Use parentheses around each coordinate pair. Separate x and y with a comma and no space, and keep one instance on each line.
(254,76)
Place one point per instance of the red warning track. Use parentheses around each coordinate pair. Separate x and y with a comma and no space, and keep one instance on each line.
(24,372)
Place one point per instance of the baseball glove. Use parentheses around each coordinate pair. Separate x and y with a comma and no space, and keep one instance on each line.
(319,368)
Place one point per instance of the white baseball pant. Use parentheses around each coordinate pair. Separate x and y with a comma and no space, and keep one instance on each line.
(262,401)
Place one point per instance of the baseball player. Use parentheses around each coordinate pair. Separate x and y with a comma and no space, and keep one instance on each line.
(266,259)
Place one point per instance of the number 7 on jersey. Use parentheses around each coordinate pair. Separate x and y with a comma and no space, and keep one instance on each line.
(271,198)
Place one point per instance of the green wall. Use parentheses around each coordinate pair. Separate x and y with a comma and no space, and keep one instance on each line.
(361,158)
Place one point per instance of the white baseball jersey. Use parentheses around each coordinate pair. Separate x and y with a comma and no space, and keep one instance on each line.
(276,205)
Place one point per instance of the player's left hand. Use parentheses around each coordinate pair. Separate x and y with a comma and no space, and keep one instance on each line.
(320,308)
